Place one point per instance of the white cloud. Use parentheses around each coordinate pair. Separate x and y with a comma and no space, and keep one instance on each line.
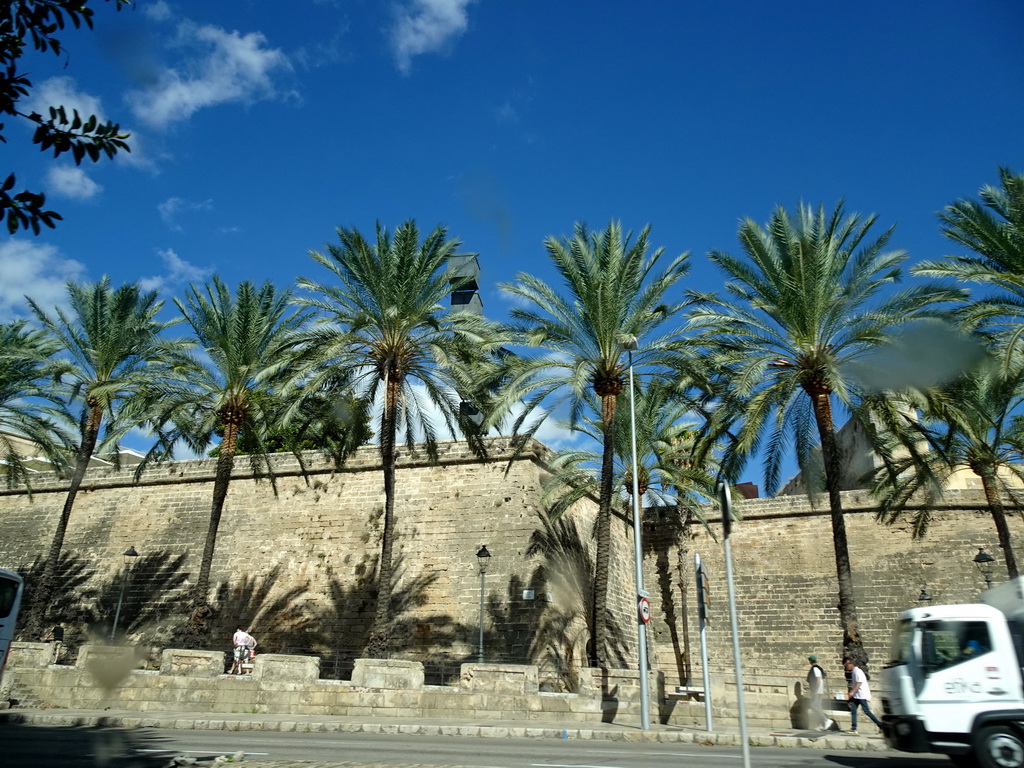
(172,206)
(228,68)
(36,270)
(63,91)
(158,11)
(178,271)
(69,181)
(426,26)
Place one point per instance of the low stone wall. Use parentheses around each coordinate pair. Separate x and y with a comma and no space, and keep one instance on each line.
(193,681)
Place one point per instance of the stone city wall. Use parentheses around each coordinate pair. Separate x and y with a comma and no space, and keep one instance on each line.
(785,582)
(298,567)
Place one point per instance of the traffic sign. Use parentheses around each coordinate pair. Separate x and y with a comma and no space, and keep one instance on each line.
(644,609)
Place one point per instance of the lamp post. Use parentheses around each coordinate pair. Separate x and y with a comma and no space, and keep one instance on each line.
(482,556)
(985,561)
(128,555)
(641,593)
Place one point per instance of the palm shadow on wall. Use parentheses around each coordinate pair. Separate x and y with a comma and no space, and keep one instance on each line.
(663,530)
(69,602)
(151,596)
(86,604)
(417,637)
(278,617)
(564,581)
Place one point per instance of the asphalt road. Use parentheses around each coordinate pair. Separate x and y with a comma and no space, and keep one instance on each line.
(25,746)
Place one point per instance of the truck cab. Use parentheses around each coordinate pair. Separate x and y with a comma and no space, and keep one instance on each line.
(955,685)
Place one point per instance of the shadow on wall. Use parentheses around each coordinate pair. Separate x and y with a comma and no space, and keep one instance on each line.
(86,603)
(550,630)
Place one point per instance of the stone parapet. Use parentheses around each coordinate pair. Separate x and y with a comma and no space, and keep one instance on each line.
(387,673)
(279,667)
(500,678)
(178,661)
(30,655)
(282,684)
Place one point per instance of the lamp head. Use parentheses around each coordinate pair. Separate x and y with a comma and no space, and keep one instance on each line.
(482,556)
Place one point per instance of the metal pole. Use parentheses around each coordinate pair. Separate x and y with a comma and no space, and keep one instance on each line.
(120,599)
(703,613)
(483,579)
(641,640)
(723,490)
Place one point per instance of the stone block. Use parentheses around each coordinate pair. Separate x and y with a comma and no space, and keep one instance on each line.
(284,668)
(189,663)
(500,678)
(388,673)
(30,655)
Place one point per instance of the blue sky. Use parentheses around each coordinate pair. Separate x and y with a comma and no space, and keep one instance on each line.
(259,127)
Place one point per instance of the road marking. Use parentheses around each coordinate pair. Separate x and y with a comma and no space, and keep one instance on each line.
(196,751)
(571,765)
(668,754)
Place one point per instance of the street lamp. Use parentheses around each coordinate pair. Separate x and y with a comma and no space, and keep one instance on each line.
(985,562)
(641,594)
(482,556)
(924,597)
(128,555)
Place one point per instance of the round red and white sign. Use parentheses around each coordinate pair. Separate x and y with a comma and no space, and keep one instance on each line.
(644,609)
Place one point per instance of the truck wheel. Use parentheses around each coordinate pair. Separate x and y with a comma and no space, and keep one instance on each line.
(999,747)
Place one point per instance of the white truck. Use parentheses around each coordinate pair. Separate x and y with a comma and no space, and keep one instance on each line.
(955,683)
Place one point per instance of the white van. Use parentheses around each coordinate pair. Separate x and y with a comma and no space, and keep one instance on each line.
(11,588)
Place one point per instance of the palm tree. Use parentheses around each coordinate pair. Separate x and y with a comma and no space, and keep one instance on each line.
(246,339)
(667,477)
(807,301)
(993,230)
(26,400)
(384,330)
(111,347)
(966,424)
(614,296)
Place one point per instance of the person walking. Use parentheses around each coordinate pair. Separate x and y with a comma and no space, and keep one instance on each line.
(816,718)
(860,695)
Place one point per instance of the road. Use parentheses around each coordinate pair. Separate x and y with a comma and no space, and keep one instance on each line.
(25,746)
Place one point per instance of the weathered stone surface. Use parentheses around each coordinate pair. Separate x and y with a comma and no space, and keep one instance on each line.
(500,678)
(387,673)
(317,541)
(180,661)
(30,655)
(279,667)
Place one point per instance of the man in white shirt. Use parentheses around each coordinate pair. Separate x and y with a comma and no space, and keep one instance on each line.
(243,642)
(860,695)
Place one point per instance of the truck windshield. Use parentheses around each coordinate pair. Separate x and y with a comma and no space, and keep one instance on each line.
(947,643)
(899,650)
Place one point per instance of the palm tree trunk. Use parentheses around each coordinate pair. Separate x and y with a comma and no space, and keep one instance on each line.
(853,645)
(198,625)
(995,506)
(599,615)
(90,435)
(379,643)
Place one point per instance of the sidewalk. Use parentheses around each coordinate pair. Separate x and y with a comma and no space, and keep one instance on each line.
(724,735)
